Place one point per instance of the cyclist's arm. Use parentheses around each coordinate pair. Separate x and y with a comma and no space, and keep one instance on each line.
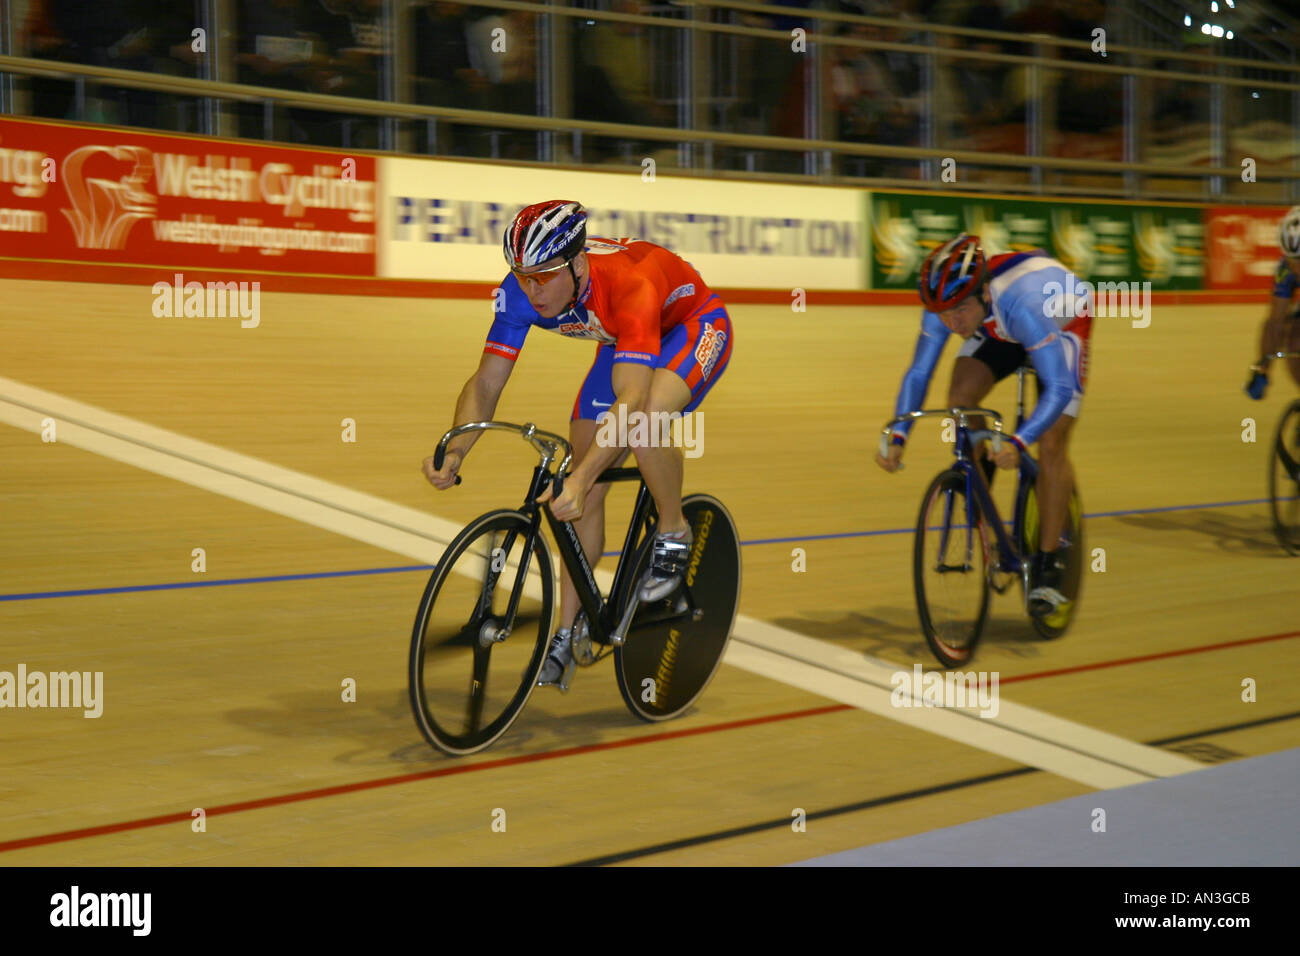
(478,399)
(916,380)
(1279,308)
(1042,340)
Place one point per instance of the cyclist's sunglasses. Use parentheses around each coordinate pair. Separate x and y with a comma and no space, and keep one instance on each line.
(542,277)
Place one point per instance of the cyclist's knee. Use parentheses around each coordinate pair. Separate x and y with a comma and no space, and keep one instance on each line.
(962,394)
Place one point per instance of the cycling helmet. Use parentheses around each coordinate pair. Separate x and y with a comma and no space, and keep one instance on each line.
(543,231)
(1288,233)
(952,272)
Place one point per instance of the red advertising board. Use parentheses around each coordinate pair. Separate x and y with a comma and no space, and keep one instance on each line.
(107,195)
(1241,247)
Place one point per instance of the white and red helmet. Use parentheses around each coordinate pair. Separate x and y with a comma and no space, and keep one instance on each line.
(545,231)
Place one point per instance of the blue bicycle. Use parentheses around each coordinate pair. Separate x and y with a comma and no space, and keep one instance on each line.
(962,548)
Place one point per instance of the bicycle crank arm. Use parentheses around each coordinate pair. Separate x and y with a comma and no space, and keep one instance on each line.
(620,632)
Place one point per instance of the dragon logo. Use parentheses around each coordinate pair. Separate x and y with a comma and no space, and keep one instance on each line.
(1075,244)
(103,211)
(897,251)
(1156,252)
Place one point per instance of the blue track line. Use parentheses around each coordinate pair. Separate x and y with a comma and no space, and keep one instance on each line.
(222,582)
(41,595)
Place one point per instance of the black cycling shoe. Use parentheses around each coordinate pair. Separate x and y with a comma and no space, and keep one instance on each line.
(667,565)
(1045,595)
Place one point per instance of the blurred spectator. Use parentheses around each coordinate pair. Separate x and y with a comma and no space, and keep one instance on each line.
(982,82)
(1087,101)
(516,89)
(314,46)
(613,77)
(121,34)
(767,70)
(440,60)
(874,99)
(274,49)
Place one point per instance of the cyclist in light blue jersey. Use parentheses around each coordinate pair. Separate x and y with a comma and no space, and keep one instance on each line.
(1008,308)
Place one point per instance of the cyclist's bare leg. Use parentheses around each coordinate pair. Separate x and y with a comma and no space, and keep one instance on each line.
(1055,481)
(1289,340)
(662,467)
(591,526)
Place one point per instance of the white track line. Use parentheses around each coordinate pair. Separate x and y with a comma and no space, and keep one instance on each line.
(1018,733)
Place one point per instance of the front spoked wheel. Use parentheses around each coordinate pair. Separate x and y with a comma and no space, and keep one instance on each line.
(950,574)
(481,633)
(674,646)
(1284,480)
(1071,550)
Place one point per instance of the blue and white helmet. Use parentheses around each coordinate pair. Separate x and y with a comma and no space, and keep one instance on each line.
(1288,233)
(544,231)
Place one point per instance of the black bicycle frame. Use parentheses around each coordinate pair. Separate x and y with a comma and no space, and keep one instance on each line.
(599,611)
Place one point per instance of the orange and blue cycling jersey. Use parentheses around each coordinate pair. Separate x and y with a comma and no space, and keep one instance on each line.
(644,305)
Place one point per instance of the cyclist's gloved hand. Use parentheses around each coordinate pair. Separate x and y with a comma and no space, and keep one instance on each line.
(1258,383)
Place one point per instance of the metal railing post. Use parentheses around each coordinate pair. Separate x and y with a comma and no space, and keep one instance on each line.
(558,72)
(1132,126)
(1215,181)
(7,33)
(697,84)
(816,162)
(398,78)
(929,119)
(1034,118)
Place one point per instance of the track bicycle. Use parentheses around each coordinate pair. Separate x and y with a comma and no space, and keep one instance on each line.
(483,626)
(962,548)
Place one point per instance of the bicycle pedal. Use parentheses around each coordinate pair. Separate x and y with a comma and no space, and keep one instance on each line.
(566,677)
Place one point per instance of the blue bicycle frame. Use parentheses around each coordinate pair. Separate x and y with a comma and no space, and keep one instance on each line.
(978,495)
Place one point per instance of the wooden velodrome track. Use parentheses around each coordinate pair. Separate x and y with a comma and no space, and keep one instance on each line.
(227,697)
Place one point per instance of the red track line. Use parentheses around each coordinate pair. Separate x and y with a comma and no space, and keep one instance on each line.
(86,832)
(460,768)
(1101,665)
